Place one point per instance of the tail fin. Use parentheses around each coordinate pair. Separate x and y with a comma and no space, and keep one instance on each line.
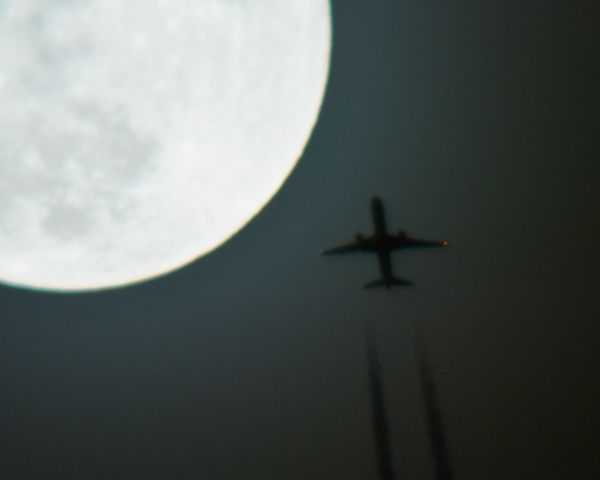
(382,282)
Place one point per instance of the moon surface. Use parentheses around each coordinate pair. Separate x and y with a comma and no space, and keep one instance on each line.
(138,135)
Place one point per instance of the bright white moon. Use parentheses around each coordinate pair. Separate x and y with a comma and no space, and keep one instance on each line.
(137,135)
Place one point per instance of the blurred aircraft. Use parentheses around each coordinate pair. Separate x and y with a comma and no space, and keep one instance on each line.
(382,243)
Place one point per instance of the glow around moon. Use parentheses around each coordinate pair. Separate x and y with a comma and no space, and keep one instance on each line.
(138,135)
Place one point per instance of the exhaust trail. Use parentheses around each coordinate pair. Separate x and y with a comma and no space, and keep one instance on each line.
(380,423)
(439,446)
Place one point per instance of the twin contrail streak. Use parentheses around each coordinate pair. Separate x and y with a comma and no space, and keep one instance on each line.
(439,447)
(380,425)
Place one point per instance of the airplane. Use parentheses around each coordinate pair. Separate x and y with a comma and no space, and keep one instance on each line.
(382,243)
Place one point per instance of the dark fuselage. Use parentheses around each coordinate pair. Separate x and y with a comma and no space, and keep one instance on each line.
(382,243)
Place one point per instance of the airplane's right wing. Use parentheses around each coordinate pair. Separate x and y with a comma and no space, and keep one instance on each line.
(402,241)
(388,283)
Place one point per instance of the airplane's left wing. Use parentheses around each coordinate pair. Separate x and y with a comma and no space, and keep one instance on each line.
(347,248)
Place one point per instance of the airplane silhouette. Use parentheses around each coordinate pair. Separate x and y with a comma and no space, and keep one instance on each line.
(382,243)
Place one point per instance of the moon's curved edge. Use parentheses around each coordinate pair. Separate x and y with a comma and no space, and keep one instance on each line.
(94,288)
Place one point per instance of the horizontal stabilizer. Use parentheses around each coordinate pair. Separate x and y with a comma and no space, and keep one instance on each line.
(387,283)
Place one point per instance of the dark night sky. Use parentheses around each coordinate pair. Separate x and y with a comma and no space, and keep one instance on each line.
(474,121)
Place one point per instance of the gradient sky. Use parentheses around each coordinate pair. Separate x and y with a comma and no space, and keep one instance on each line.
(474,121)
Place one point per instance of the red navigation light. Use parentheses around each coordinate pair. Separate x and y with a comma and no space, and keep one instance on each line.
(444,243)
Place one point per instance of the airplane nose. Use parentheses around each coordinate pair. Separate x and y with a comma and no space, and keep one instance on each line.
(444,243)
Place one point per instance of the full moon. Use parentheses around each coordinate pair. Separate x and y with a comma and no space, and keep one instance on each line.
(138,135)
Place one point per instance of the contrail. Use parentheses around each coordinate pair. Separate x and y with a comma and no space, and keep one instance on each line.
(380,424)
(439,447)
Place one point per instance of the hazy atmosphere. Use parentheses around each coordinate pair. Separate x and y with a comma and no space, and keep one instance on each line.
(473,121)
